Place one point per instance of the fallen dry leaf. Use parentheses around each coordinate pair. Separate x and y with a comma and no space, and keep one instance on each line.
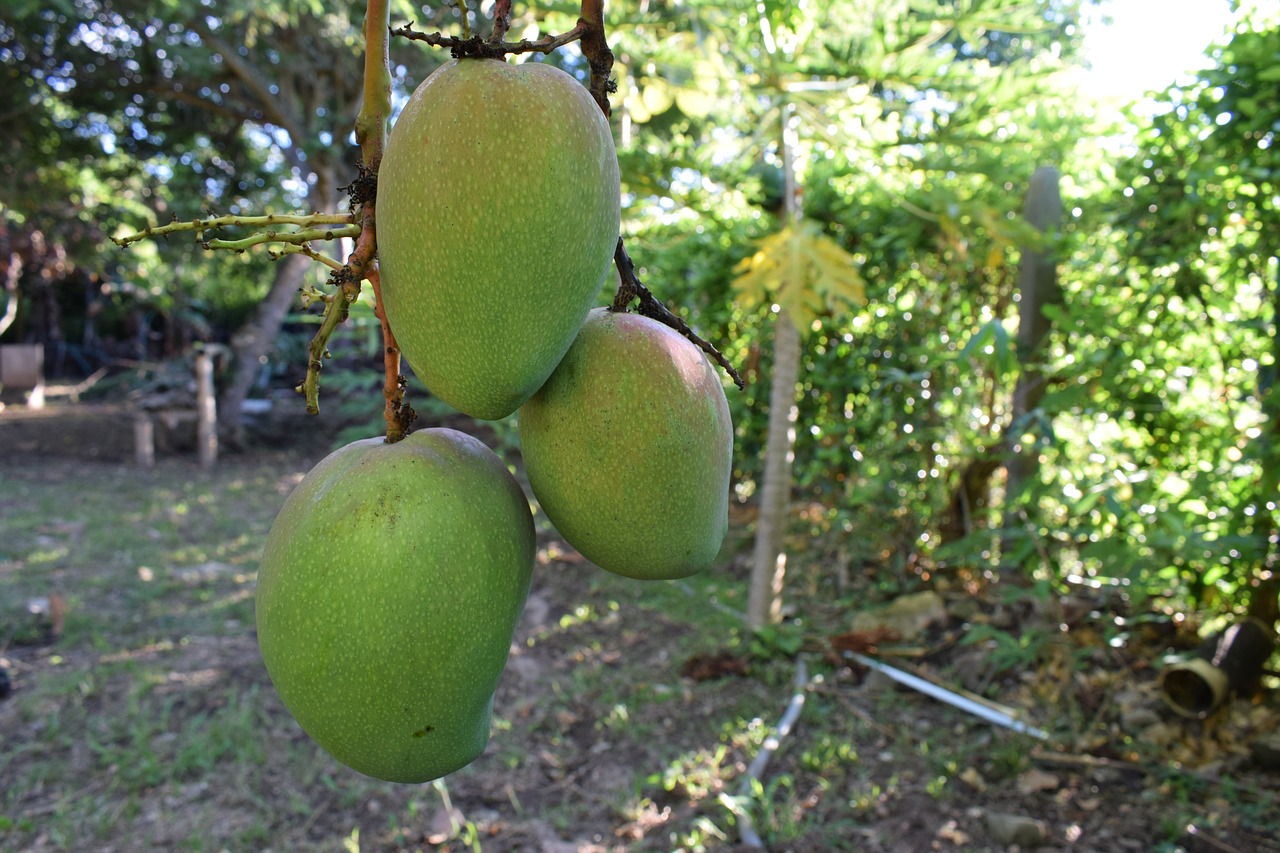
(715,665)
(1036,780)
(864,642)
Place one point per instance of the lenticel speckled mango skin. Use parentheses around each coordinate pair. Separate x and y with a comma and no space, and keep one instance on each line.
(390,586)
(628,448)
(498,216)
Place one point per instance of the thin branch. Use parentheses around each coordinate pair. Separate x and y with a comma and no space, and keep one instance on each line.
(294,237)
(746,829)
(462,13)
(304,249)
(501,21)
(630,288)
(371,133)
(175,93)
(595,47)
(477,46)
(308,220)
(375,105)
(335,311)
(398,414)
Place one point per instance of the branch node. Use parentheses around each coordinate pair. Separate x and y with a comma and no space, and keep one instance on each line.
(491,48)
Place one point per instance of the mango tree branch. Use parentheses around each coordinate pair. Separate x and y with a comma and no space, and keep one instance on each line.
(304,249)
(501,21)
(253,79)
(398,414)
(629,288)
(309,220)
(595,47)
(335,311)
(296,238)
(375,104)
(371,135)
(480,47)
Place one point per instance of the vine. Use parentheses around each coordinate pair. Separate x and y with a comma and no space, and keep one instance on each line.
(285,234)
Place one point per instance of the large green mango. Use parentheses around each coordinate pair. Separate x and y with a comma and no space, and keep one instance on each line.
(389,589)
(629,446)
(498,213)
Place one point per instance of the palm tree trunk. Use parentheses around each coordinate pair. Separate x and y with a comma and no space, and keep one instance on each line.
(769,561)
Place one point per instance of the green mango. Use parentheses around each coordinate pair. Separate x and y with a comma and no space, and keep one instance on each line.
(390,586)
(497,218)
(629,446)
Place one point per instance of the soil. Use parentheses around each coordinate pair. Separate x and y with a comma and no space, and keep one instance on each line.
(623,723)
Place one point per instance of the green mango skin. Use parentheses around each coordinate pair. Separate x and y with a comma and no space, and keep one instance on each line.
(629,448)
(498,215)
(390,586)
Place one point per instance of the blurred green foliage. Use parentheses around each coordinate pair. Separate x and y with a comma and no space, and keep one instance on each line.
(1157,470)
(918,126)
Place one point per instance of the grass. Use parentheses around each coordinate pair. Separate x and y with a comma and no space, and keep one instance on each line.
(150,723)
(134,703)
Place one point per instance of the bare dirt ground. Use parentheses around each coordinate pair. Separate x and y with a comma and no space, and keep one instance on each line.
(626,719)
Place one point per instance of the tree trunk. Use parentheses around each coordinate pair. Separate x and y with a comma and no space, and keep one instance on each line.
(253,342)
(769,561)
(969,498)
(1038,286)
(12,272)
(1264,602)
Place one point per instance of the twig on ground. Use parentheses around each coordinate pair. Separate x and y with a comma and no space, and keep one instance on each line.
(1198,833)
(855,709)
(746,829)
(1085,760)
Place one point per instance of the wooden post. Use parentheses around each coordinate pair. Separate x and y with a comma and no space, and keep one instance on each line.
(22,366)
(206,410)
(144,441)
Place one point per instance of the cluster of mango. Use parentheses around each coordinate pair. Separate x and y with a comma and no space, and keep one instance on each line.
(394,575)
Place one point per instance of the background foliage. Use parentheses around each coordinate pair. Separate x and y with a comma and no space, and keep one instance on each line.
(918,125)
